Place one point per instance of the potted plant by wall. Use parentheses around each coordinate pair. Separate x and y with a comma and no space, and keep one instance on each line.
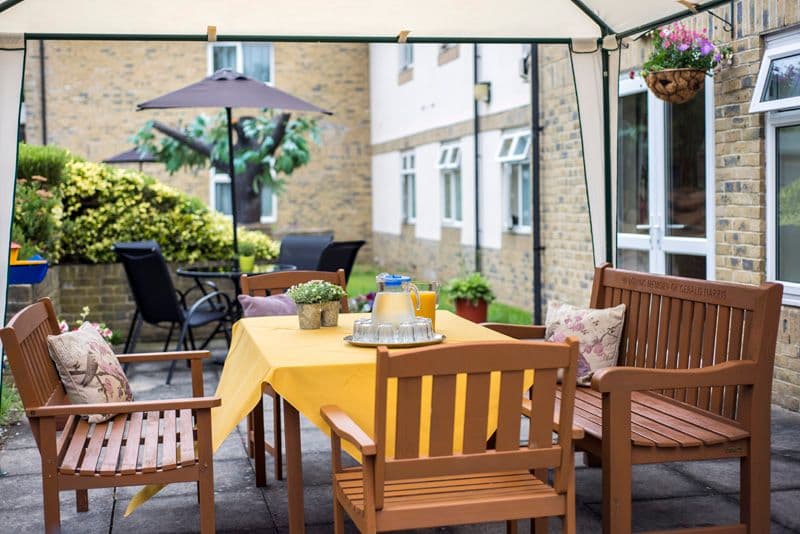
(472,295)
(247,257)
(681,59)
(317,303)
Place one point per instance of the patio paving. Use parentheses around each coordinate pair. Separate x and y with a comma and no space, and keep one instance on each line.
(665,496)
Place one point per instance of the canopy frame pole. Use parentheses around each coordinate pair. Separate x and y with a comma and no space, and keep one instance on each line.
(232,176)
(672,18)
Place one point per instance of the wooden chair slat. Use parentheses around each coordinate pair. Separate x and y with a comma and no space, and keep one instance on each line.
(720,355)
(476,412)
(508,420)
(113,447)
(626,329)
(729,393)
(633,331)
(587,418)
(640,435)
(169,444)
(542,406)
(77,445)
(186,426)
(707,356)
(92,453)
(409,399)
(443,408)
(651,336)
(133,439)
(697,417)
(66,434)
(643,329)
(664,327)
(149,457)
(671,361)
(695,347)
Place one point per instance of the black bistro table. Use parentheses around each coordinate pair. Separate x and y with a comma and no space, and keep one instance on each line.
(201,273)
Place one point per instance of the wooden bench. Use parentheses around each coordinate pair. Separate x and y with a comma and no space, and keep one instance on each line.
(146,442)
(693,382)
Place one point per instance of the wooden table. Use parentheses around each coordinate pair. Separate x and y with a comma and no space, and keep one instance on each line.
(308,368)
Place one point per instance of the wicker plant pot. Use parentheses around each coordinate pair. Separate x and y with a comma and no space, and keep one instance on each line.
(330,313)
(676,86)
(310,316)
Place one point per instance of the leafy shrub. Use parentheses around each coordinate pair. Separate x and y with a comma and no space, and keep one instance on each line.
(37,219)
(47,161)
(104,205)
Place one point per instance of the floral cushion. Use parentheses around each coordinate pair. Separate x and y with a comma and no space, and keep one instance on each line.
(89,369)
(598,332)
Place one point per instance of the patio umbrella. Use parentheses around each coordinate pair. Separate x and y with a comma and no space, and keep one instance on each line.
(133,155)
(229,89)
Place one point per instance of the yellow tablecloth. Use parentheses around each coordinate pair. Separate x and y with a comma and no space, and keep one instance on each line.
(312,368)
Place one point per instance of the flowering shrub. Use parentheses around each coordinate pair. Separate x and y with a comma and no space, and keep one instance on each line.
(105,332)
(315,291)
(679,47)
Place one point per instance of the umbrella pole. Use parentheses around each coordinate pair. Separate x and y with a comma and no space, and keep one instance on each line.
(232,175)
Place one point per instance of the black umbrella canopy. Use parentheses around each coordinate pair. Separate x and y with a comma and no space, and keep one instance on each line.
(229,89)
(133,155)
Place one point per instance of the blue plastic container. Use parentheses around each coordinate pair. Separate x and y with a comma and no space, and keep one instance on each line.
(28,274)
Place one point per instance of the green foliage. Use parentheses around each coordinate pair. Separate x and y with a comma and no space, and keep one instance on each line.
(46,161)
(247,249)
(103,205)
(11,408)
(293,152)
(37,219)
(789,202)
(314,292)
(472,287)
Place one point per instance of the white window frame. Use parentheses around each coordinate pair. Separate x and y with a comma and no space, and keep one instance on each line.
(408,171)
(405,56)
(507,161)
(775,120)
(657,240)
(239,57)
(449,164)
(223,178)
(778,46)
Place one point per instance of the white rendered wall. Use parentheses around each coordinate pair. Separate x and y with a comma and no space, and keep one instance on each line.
(387,211)
(491,191)
(429,192)
(499,64)
(436,96)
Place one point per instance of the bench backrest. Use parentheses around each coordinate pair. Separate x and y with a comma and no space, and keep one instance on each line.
(684,323)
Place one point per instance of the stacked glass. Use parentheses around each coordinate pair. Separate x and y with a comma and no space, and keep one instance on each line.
(417,330)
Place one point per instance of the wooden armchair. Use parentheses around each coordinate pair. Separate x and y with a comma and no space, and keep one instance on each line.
(260,285)
(693,382)
(147,442)
(402,487)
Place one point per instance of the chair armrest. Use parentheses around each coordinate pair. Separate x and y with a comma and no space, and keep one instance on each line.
(577,432)
(163,356)
(517,331)
(735,373)
(343,426)
(125,407)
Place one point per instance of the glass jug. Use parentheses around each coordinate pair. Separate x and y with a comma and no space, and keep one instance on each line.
(393,302)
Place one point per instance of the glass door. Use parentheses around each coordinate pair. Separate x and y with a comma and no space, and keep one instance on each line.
(665,184)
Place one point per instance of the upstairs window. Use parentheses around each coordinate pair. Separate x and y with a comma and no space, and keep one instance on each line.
(251,59)
(409,186)
(514,157)
(778,83)
(406,56)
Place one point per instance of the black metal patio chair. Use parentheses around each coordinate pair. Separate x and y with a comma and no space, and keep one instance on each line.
(303,250)
(159,302)
(340,255)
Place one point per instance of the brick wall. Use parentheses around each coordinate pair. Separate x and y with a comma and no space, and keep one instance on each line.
(92,90)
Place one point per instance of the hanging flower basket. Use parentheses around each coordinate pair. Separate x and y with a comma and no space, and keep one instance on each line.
(676,86)
(680,61)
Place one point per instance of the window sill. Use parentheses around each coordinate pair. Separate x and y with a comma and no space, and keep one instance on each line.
(405,76)
(519,230)
(409,222)
(451,224)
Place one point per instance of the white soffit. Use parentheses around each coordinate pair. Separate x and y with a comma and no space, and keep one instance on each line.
(625,15)
(382,19)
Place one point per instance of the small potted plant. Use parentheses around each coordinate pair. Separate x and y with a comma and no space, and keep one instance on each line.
(317,303)
(472,295)
(681,59)
(247,257)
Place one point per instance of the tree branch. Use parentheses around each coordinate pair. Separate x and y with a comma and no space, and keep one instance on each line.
(192,143)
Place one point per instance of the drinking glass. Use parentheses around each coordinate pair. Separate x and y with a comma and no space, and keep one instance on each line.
(405,333)
(428,300)
(385,333)
(363,331)
(423,330)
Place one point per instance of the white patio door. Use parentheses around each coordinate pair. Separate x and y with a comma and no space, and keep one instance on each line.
(665,205)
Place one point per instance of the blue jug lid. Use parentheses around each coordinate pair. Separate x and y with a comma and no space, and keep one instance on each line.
(393,279)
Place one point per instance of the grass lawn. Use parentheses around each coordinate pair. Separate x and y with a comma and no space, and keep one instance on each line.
(362,280)
(10,403)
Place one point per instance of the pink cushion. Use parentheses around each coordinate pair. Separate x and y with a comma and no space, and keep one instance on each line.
(267,306)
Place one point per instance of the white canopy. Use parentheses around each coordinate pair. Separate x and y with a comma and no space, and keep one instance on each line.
(583,24)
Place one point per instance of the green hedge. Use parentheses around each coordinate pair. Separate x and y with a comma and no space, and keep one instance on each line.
(84,208)
(47,161)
